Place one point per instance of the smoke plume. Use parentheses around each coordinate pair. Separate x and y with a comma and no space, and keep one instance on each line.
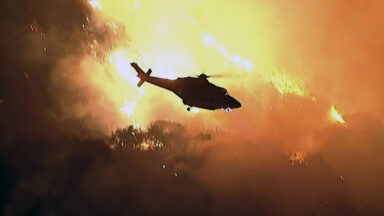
(77,137)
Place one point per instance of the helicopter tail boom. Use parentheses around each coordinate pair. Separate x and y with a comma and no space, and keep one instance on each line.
(141,74)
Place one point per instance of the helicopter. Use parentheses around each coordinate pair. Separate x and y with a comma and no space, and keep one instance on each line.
(194,91)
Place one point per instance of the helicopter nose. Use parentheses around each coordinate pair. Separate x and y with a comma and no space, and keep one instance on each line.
(234,103)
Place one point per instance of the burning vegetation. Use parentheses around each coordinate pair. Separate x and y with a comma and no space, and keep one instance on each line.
(79,138)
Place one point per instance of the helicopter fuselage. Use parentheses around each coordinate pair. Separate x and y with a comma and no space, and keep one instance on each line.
(195,92)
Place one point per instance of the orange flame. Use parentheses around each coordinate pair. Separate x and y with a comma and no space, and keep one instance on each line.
(336,116)
(175,45)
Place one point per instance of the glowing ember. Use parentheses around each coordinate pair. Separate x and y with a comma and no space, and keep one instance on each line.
(336,116)
(113,26)
(297,157)
(150,144)
(144,146)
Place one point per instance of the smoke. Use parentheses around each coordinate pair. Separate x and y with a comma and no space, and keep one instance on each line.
(43,78)
(78,137)
(195,176)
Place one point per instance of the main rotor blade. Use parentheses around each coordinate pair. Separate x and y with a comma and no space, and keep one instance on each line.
(224,75)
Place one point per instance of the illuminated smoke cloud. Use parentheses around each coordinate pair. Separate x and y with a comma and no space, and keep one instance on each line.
(78,137)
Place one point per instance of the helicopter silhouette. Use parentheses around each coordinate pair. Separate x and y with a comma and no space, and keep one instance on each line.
(194,91)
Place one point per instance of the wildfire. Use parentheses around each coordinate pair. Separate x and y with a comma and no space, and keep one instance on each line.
(148,145)
(95,4)
(144,146)
(174,46)
(129,107)
(336,116)
(285,84)
(121,62)
(297,157)
(209,40)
